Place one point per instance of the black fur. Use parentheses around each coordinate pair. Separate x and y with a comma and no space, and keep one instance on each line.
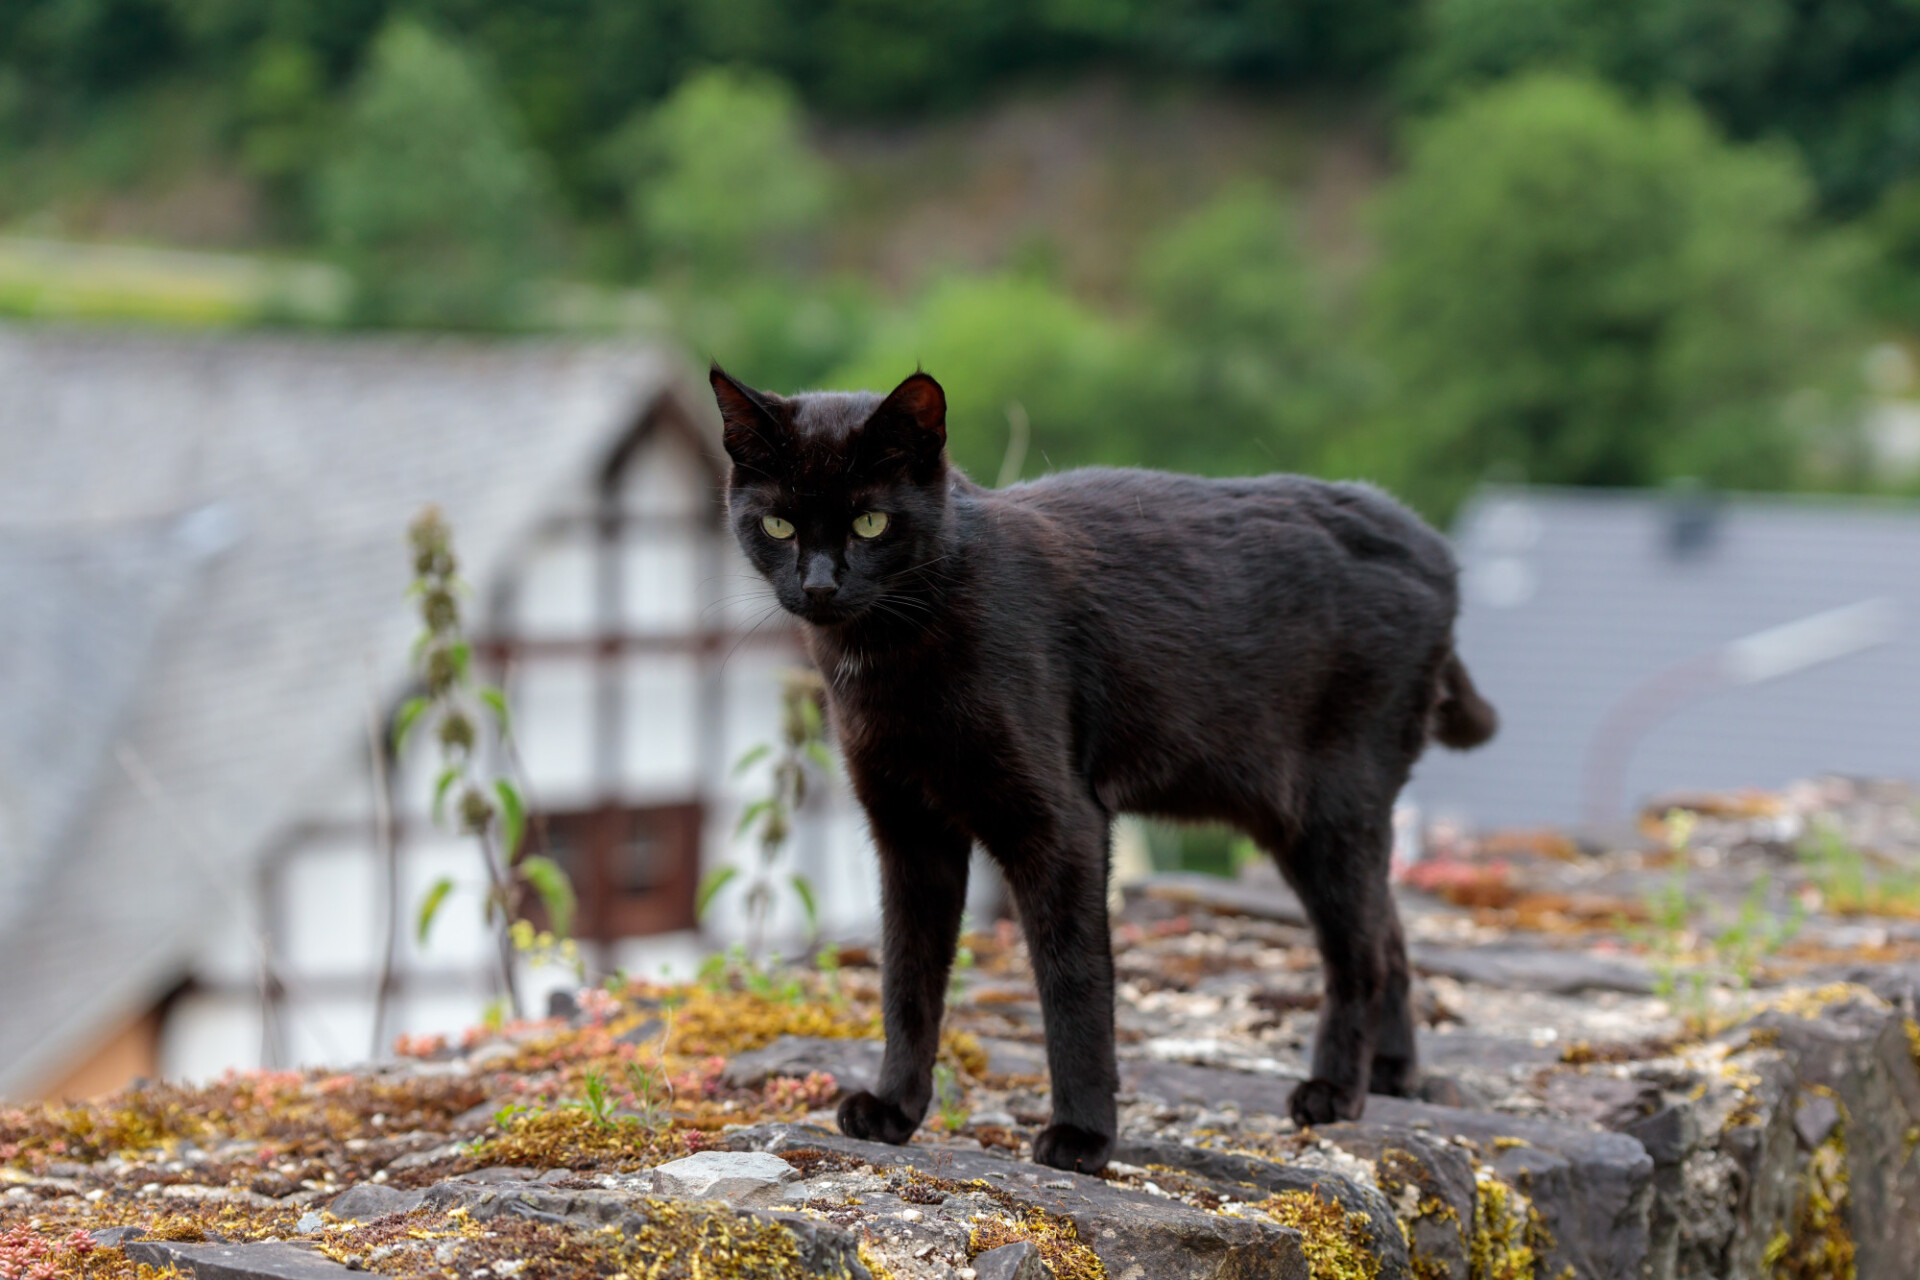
(1016,667)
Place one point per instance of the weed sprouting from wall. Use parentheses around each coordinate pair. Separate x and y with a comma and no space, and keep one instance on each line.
(459,711)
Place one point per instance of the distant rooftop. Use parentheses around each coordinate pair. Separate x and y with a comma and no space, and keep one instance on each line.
(201,584)
(1575,600)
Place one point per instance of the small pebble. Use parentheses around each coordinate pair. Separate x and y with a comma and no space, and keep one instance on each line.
(909,1215)
(150,1189)
(923,1251)
(967,1273)
(96,1195)
(1059,1184)
(309,1222)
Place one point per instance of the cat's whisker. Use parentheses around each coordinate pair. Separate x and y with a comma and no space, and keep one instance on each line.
(765,616)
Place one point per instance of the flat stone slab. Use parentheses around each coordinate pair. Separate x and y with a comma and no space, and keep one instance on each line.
(855,1064)
(1240,1174)
(371,1200)
(1136,1235)
(1532,969)
(1592,1187)
(824,1249)
(237,1261)
(738,1177)
(1222,897)
(1010,1262)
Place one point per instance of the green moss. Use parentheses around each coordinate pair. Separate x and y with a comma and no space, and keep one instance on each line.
(1338,1243)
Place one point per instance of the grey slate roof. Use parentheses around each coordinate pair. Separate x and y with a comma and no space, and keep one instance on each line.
(1571,598)
(201,562)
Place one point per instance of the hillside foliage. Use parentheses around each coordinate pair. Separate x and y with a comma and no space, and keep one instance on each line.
(1604,243)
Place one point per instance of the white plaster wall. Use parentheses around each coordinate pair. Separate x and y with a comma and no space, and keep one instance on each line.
(659,755)
(663,478)
(553,707)
(459,938)
(205,1035)
(662,584)
(329,1031)
(555,600)
(329,923)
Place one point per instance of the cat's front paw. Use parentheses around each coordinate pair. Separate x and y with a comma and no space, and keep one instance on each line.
(1323,1102)
(862,1115)
(1069,1147)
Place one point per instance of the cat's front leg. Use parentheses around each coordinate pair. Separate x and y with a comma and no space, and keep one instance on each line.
(1060,887)
(923,890)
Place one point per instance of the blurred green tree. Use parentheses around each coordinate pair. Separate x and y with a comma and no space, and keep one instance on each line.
(1893,288)
(1594,293)
(1252,359)
(1086,382)
(1841,78)
(432,200)
(721,179)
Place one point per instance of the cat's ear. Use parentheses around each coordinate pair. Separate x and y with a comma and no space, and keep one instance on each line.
(913,419)
(752,430)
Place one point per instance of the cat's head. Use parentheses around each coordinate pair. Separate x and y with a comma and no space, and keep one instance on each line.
(838,498)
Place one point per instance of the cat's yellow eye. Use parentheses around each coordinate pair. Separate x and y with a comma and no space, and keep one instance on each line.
(870,524)
(776,527)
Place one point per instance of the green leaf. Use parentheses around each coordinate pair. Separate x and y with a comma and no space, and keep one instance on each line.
(555,890)
(448,776)
(497,703)
(803,890)
(751,814)
(810,716)
(429,905)
(513,819)
(461,652)
(403,721)
(821,755)
(753,756)
(711,883)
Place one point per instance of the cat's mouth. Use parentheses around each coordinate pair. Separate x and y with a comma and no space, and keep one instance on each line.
(827,613)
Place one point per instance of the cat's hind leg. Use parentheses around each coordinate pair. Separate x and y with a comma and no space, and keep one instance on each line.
(1337,864)
(1395,1059)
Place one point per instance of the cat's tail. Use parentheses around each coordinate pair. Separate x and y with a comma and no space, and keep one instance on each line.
(1461,717)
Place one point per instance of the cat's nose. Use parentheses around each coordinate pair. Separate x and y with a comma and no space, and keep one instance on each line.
(819,583)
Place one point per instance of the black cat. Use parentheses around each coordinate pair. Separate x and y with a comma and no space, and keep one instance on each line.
(1015,667)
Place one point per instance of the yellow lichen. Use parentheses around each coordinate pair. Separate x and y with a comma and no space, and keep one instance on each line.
(1810,1002)
(870,1259)
(1338,1243)
(1500,1249)
(568,1139)
(1510,1240)
(1057,1239)
(1820,1247)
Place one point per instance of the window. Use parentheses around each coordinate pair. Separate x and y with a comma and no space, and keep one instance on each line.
(635,869)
